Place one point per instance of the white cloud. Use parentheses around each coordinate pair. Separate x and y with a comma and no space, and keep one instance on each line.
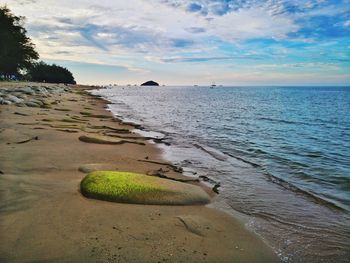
(312,66)
(141,26)
(151,35)
(251,23)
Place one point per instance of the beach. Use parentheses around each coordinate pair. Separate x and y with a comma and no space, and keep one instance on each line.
(45,218)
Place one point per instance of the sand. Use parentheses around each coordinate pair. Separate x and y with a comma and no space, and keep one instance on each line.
(44,217)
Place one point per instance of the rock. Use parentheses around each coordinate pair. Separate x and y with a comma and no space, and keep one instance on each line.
(67,126)
(20,95)
(21,114)
(68,130)
(89,114)
(5,102)
(91,167)
(196,224)
(99,139)
(103,127)
(85,169)
(150,83)
(14,99)
(125,187)
(39,102)
(58,109)
(32,104)
(25,90)
(28,140)
(41,90)
(57,90)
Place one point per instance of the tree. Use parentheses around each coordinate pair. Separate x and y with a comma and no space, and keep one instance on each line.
(16,49)
(17,53)
(43,72)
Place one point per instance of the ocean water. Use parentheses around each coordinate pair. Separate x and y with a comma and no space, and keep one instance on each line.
(281,155)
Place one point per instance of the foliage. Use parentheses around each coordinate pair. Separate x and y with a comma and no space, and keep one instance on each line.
(17,54)
(43,72)
(16,49)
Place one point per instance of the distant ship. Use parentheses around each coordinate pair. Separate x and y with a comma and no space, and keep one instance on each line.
(212,85)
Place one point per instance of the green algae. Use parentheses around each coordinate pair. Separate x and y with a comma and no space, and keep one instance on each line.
(127,187)
(100,139)
(85,113)
(91,115)
(119,186)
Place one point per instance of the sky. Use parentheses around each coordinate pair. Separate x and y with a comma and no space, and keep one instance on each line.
(187,42)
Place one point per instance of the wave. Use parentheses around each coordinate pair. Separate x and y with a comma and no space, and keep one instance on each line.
(213,153)
(290,186)
(243,160)
(281,121)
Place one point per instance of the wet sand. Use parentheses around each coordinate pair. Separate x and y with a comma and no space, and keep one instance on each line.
(44,217)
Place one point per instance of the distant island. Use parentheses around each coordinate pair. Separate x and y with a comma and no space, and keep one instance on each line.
(150,83)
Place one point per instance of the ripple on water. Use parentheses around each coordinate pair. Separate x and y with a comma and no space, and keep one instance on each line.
(281,155)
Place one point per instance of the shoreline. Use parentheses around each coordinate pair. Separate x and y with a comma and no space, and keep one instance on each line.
(43,216)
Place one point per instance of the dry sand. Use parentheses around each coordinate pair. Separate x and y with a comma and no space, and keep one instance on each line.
(44,218)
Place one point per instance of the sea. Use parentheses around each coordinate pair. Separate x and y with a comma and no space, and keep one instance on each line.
(280,154)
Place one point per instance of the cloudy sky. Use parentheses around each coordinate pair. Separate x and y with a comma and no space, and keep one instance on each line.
(241,42)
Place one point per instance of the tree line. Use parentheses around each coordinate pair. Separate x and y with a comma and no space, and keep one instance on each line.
(18,57)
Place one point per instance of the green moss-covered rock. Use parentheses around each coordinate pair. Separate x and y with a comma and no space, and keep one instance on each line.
(136,188)
(85,113)
(89,114)
(100,139)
